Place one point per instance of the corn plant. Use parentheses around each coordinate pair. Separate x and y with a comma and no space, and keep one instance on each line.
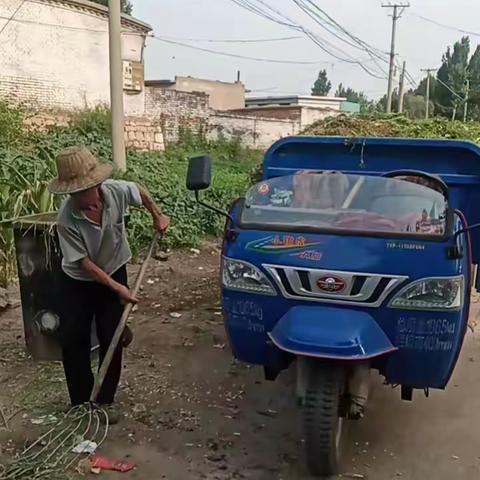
(23,191)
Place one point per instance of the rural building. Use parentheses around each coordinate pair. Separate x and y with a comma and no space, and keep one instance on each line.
(222,95)
(303,109)
(310,101)
(54,55)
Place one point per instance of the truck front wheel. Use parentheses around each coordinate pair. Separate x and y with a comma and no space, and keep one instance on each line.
(324,421)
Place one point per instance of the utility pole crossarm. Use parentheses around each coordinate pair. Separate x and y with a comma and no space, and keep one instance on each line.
(396,15)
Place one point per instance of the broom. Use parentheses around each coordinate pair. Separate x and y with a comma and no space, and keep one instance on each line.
(102,372)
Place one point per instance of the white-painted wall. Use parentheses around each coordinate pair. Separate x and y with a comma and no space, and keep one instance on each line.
(310,115)
(252,131)
(63,66)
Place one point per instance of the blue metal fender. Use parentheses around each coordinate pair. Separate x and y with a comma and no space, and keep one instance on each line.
(335,333)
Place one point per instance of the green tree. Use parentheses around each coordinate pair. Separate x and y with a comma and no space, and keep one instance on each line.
(382,103)
(414,106)
(322,85)
(459,73)
(126,5)
(454,72)
(474,93)
(351,95)
(422,87)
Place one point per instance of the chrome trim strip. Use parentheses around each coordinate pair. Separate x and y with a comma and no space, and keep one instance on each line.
(316,295)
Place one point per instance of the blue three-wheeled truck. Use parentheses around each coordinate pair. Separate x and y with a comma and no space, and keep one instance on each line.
(351,255)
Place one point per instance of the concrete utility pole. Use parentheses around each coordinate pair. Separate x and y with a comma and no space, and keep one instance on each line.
(465,105)
(401,89)
(116,84)
(427,91)
(396,15)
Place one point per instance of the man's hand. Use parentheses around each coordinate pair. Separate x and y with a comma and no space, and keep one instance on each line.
(161,223)
(125,294)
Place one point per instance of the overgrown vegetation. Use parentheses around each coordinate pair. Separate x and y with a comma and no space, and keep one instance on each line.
(27,162)
(381,125)
(454,89)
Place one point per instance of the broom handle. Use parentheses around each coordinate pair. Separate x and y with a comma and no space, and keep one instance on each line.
(121,325)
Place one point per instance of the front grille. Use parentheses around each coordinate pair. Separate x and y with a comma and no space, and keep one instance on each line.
(368,289)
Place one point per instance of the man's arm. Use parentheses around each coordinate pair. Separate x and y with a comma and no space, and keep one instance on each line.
(160,220)
(101,277)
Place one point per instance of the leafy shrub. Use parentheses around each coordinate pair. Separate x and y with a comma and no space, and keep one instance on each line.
(92,121)
(27,164)
(12,130)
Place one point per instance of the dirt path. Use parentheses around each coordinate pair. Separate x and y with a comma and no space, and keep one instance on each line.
(192,413)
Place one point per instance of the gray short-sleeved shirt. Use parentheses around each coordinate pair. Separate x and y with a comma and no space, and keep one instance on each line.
(106,245)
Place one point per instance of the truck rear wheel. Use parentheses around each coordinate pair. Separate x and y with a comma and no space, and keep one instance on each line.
(323,423)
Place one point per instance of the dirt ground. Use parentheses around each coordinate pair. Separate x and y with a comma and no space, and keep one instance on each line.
(191,412)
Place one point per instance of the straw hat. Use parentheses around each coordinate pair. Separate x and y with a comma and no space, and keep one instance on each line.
(78,170)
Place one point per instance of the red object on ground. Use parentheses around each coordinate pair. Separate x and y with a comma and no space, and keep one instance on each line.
(107,464)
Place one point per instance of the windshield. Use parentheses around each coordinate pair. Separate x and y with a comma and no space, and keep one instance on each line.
(335,201)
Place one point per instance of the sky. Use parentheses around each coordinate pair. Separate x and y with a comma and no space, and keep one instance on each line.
(418,42)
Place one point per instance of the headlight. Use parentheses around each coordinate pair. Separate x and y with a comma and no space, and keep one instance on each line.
(431,294)
(240,275)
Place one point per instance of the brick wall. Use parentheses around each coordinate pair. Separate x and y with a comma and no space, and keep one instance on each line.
(168,111)
(40,92)
(176,110)
(61,68)
(141,133)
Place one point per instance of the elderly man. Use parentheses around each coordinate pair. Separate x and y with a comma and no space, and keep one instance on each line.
(95,252)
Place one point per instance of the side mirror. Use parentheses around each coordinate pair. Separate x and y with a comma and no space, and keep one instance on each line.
(199,174)
(199,177)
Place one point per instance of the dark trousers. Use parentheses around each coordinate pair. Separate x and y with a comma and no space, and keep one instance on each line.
(82,303)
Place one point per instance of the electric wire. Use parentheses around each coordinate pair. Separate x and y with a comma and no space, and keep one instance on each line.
(234,55)
(278,17)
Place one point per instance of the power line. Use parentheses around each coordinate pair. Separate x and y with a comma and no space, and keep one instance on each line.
(357,43)
(449,27)
(278,17)
(322,43)
(408,75)
(56,25)
(251,7)
(234,55)
(232,40)
(286,21)
(20,5)
(369,48)
(450,89)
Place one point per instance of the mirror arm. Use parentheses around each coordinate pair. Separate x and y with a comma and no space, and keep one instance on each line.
(212,208)
(465,230)
(455,252)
